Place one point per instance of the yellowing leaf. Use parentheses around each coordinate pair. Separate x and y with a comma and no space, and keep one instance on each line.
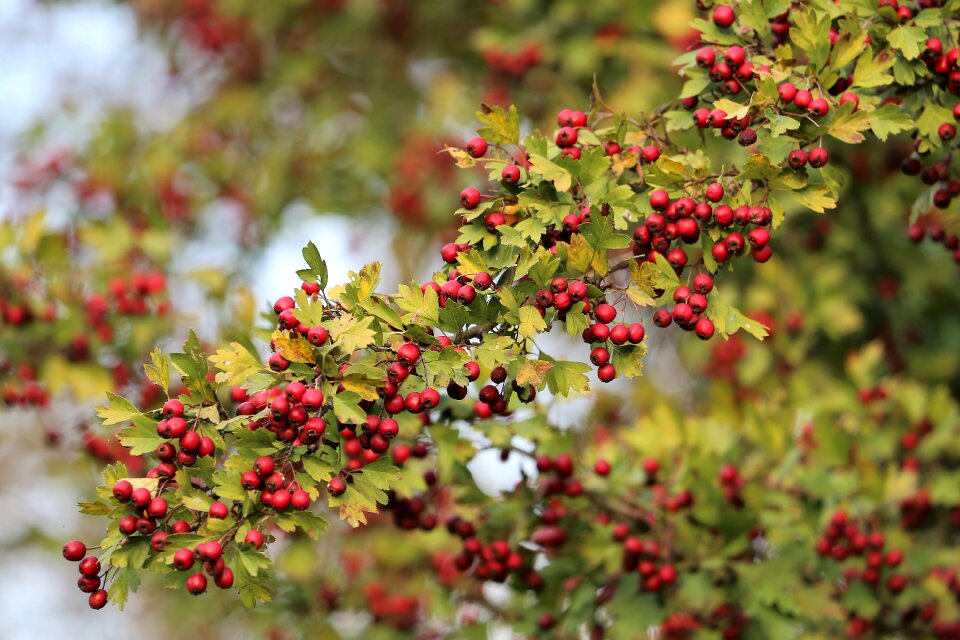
(818,198)
(872,71)
(293,346)
(463,159)
(502,127)
(728,320)
(236,364)
(556,174)
(531,322)
(350,334)
(533,372)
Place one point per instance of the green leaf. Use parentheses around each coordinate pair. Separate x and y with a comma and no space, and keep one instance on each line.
(817,198)
(848,125)
(889,120)
(346,406)
(872,71)
(567,377)
(422,307)
(930,120)
(501,127)
(141,437)
(119,410)
(531,322)
(908,40)
(317,468)
(350,334)
(236,365)
(560,177)
(317,264)
(729,320)
(808,35)
(306,521)
(780,124)
(124,581)
(159,371)
(860,599)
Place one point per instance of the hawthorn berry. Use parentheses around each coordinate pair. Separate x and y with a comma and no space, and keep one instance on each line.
(818,157)
(477,147)
(98,599)
(469,198)
(723,16)
(123,490)
(74,550)
(337,486)
(510,174)
(197,583)
(704,328)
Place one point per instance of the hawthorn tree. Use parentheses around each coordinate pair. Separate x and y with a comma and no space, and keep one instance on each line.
(803,486)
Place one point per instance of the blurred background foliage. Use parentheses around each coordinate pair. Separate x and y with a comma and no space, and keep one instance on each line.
(303,110)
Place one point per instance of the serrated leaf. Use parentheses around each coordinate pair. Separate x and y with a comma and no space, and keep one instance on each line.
(817,198)
(346,406)
(124,581)
(872,71)
(119,410)
(907,40)
(728,320)
(236,365)
(350,334)
(567,377)
(317,264)
(292,346)
(422,307)
(140,437)
(780,124)
(889,120)
(159,371)
(531,322)
(501,127)
(560,177)
(533,372)
(848,125)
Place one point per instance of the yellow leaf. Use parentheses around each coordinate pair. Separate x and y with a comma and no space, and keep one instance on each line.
(293,347)
(464,160)
(236,364)
(533,372)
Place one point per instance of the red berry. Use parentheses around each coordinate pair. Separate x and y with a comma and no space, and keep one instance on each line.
(219,510)
(510,174)
(477,147)
(819,157)
(787,91)
(123,490)
(197,583)
(602,468)
(264,466)
(704,329)
(98,599)
(566,137)
(183,559)
(723,16)
(74,550)
(469,198)
(90,566)
(224,579)
(714,192)
(797,159)
(337,486)
(606,373)
(254,537)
